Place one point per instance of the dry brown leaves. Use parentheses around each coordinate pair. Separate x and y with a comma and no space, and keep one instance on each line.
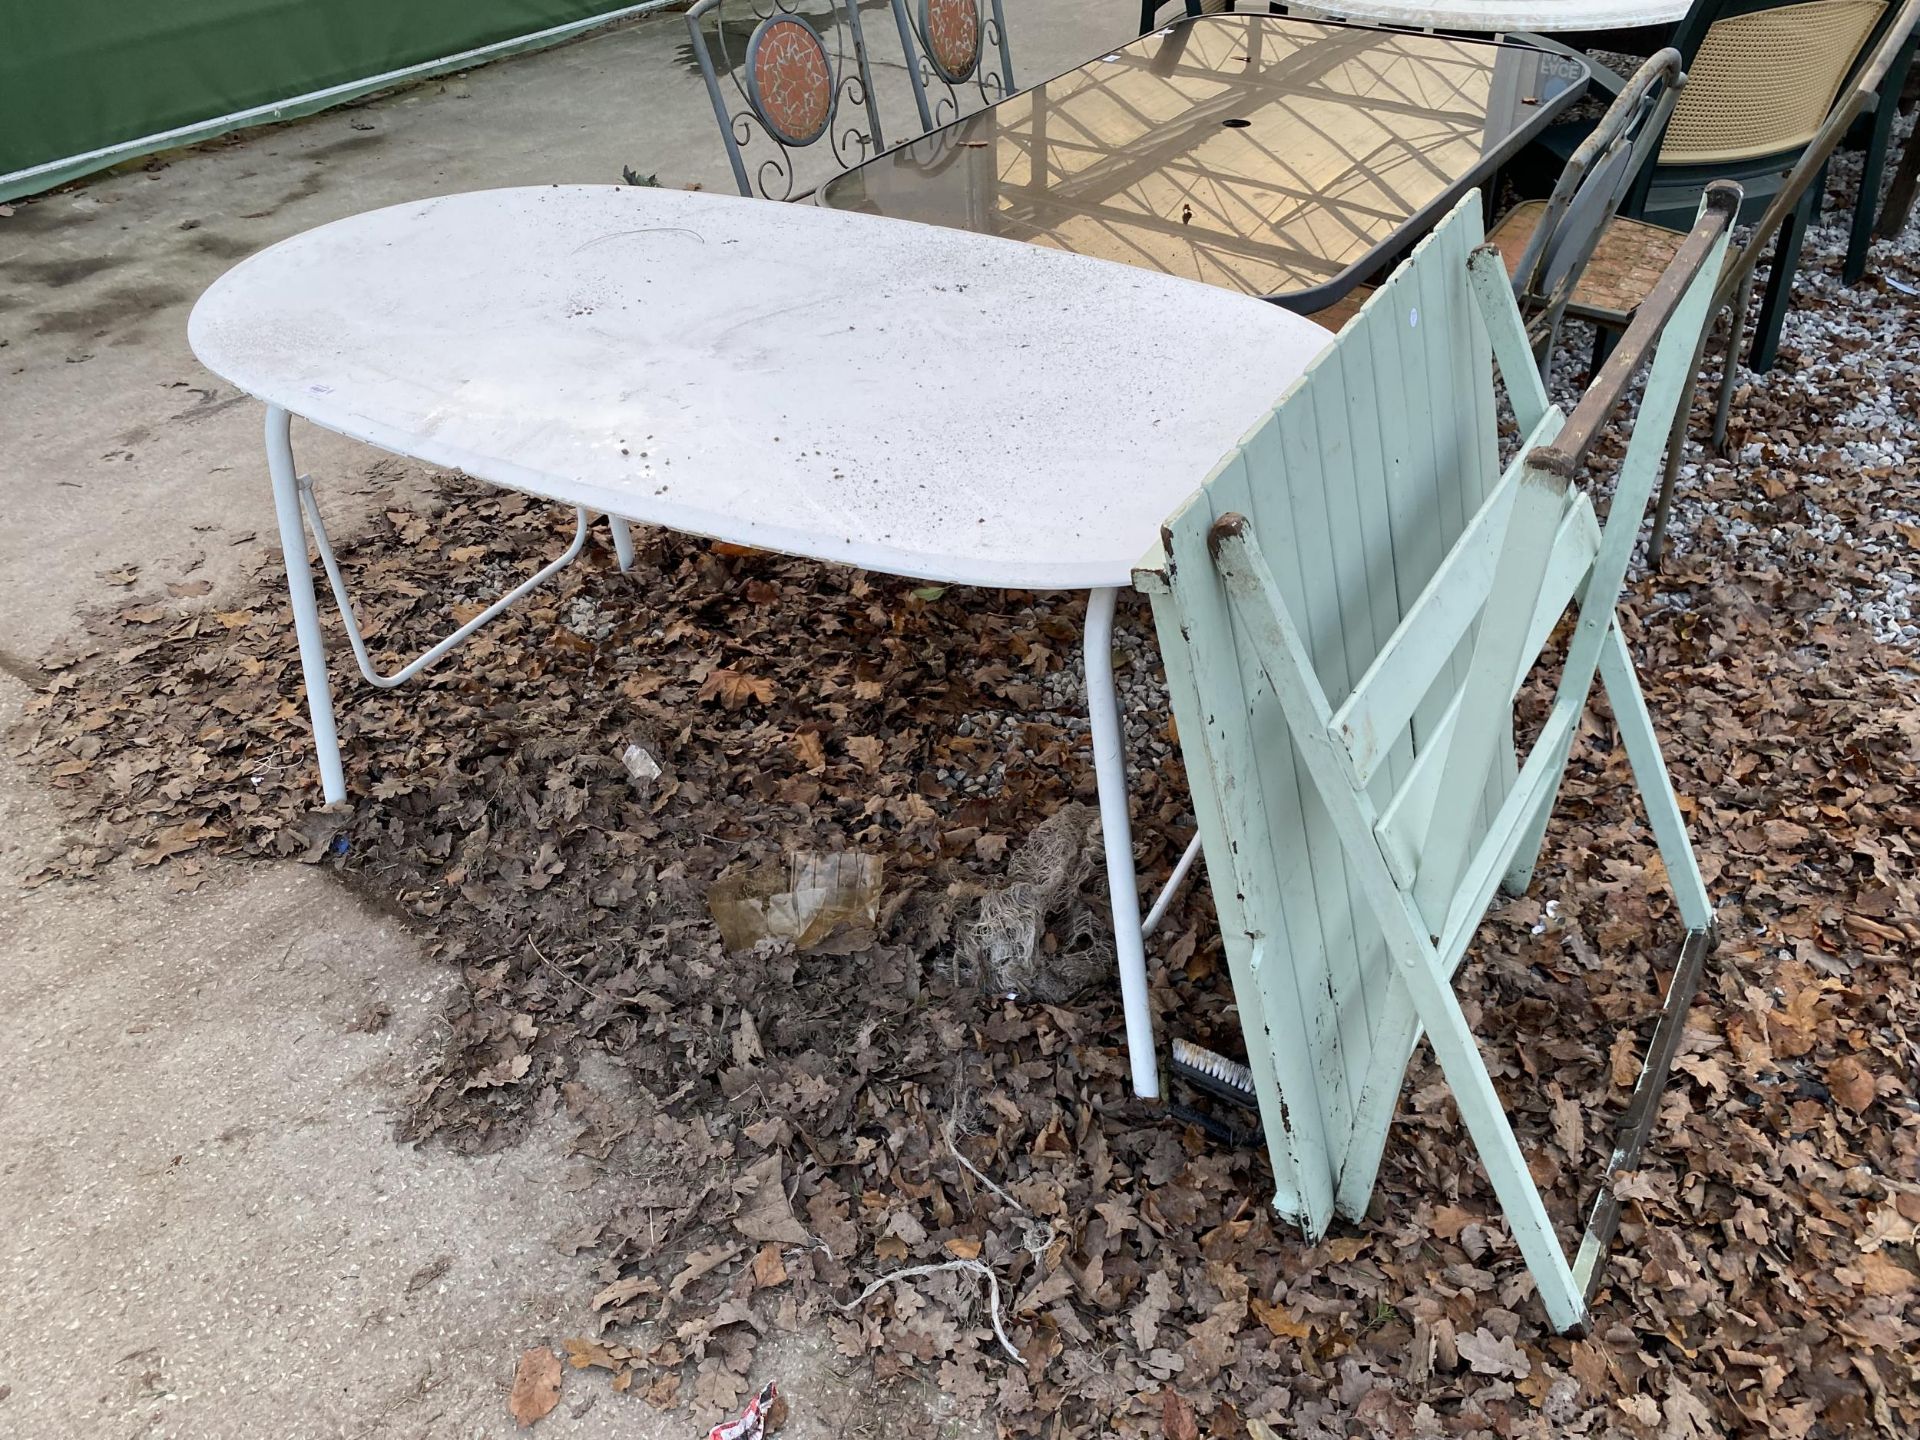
(536,1386)
(784,1137)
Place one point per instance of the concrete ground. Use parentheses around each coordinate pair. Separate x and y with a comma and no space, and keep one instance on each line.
(205,1227)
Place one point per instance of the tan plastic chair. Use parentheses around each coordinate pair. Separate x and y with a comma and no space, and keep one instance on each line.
(1761,82)
(1765,74)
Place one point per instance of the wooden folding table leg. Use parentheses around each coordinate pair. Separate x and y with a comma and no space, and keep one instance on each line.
(1656,786)
(1637,1124)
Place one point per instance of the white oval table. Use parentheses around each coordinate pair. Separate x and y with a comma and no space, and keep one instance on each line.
(1506,17)
(917,400)
(1533,21)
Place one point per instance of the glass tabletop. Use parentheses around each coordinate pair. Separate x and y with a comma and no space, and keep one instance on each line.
(1275,156)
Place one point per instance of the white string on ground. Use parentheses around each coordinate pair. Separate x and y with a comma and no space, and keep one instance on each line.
(953,1144)
(993,1295)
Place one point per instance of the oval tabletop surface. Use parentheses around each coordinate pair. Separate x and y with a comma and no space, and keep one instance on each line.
(912,399)
(1488,17)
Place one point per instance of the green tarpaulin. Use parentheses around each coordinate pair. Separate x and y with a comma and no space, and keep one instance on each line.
(88,83)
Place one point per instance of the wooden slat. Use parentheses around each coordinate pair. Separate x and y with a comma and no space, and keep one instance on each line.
(1217,714)
(1382,700)
(1404,823)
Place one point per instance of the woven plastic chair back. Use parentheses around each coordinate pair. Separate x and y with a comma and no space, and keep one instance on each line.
(1762,82)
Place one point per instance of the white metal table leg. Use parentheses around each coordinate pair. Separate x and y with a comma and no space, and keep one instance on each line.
(306,615)
(622,542)
(1110,771)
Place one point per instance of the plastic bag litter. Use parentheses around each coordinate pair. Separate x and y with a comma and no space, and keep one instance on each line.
(765,1413)
(803,898)
(1005,943)
(642,765)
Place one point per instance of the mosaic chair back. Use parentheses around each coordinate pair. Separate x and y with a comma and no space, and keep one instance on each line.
(782,83)
(1347,609)
(946,44)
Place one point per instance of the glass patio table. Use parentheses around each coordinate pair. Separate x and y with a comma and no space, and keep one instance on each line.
(1271,155)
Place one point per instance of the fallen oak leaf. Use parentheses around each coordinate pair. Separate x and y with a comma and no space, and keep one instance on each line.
(734,689)
(1280,1321)
(765,1213)
(536,1386)
(505,1072)
(1490,1354)
(1878,1273)
(1851,1083)
(769,1269)
(1177,1420)
(629,1287)
(1153,1303)
(701,1262)
(581,1353)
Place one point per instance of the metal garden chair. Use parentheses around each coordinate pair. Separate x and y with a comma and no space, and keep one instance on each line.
(1784,216)
(1630,254)
(792,88)
(1347,609)
(945,43)
(1570,253)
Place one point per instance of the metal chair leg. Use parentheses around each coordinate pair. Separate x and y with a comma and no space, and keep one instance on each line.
(1676,448)
(1906,180)
(1861,237)
(1736,339)
(1773,309)
(1603,343)
(306,613)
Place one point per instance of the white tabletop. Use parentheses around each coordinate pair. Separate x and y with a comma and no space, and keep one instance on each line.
(1540,17)
(908,398)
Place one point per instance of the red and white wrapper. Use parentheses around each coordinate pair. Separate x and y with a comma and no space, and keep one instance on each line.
(752,1423)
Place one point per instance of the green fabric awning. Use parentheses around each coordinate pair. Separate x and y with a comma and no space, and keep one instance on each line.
(85,84)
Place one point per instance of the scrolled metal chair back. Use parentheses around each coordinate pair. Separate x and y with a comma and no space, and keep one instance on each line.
(1590,191)
(787,86)
(946,43)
